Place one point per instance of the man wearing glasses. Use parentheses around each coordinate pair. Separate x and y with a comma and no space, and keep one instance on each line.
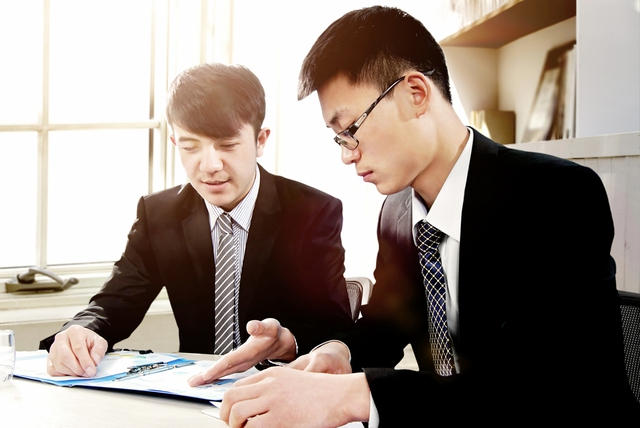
(494,264)
(234,246)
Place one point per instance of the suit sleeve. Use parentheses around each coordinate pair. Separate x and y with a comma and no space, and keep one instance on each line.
(320,265)
(119,307)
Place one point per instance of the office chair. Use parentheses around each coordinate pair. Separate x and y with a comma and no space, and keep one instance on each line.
(359,290)
(630,310)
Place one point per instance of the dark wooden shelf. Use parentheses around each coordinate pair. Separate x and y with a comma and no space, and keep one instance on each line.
(512,21)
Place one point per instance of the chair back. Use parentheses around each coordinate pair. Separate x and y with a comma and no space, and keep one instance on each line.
(354,290)
(630,311)
(359,289)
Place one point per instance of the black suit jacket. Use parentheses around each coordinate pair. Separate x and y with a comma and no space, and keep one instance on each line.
(292,271)
(540,334)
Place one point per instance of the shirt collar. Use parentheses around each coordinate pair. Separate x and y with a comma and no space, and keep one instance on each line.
(446,212)
(242,212)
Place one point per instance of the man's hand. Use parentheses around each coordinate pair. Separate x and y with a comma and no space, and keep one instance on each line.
(332,357)
(77,351)
(268,340)
(284,397)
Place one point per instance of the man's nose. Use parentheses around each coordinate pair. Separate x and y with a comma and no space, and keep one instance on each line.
(350,156)
(211,161)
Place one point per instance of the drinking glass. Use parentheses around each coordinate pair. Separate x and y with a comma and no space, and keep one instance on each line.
(7,355)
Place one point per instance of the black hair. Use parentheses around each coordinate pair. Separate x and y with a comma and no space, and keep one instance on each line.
(373,45)
(216,100)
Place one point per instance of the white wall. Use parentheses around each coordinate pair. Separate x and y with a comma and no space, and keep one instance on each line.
(474,79)
(608,60)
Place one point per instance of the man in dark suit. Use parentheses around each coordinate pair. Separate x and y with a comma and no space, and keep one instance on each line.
(493,263)
(289,260)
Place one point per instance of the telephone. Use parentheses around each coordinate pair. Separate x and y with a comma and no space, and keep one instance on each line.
(26,281)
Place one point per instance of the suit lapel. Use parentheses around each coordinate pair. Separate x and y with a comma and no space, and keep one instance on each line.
(404,228)
(477,257)
(396,217)
(265,225)
(197,235)
(480,189)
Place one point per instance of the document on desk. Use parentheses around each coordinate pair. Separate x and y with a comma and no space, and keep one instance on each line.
(132,371)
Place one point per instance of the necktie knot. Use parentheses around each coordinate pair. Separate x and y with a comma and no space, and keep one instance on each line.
(225,223)
(428,236)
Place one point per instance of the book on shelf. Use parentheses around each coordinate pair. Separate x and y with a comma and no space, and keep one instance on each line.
(552,115)
(498,125)
(470,11)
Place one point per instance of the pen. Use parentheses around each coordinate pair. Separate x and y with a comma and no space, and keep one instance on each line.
(148,369)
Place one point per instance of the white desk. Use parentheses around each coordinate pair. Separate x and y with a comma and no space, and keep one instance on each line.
(30,403)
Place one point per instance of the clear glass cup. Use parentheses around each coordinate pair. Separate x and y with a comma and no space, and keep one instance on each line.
(7,355)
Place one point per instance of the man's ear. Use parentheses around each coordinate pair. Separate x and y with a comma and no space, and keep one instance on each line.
(420,91)
(263,135)
(173,140)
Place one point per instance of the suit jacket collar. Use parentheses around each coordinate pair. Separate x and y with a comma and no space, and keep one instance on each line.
(480,195)
(265,225)
(197,234)
(405,234)
(478,311)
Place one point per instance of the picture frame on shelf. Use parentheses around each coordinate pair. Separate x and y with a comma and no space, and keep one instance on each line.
(552,114)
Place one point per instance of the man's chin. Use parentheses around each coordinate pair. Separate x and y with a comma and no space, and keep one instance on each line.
(218,199)
(387,189)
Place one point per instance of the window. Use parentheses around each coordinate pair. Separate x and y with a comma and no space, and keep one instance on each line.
(82,134)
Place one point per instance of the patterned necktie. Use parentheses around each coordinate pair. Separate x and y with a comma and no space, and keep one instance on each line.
(225,287)
(434,281)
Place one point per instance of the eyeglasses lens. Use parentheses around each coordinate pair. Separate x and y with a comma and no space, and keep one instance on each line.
(347,140)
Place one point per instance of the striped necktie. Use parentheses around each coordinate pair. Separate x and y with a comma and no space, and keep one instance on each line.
(225,287)
(428,239)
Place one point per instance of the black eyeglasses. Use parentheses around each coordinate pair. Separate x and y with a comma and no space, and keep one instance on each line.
(347,137)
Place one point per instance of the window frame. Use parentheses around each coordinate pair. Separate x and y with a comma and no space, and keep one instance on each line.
(168,57)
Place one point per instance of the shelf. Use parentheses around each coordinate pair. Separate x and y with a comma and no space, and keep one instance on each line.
(603,146)
(510,22)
